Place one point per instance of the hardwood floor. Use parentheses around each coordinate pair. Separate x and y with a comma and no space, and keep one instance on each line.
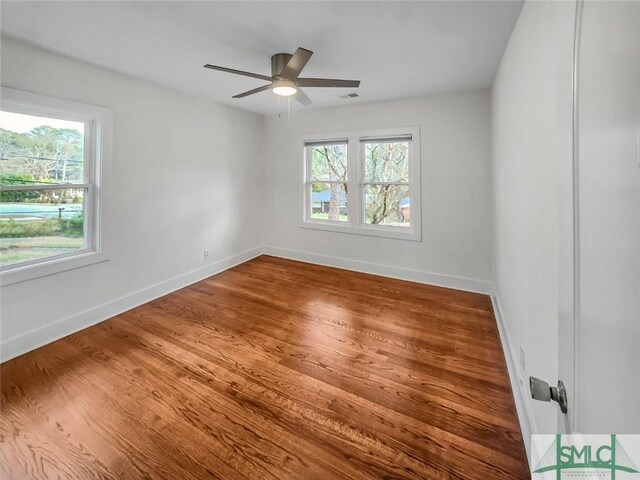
(273,369)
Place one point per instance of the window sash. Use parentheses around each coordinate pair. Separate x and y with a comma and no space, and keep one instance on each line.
(309,203)
(396,139)
(309,166)
(89,159)
(363,194)
(87,233)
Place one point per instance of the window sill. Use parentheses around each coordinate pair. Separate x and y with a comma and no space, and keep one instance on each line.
(371,231)
(50,266)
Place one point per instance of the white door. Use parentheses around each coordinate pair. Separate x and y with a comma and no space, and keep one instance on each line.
(603,370)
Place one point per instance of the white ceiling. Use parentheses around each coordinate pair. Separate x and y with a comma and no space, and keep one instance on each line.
(397,49)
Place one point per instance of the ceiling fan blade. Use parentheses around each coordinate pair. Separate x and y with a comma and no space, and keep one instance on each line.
(238,72)
(296,63)
(301,97)
(251,92)
(328,82)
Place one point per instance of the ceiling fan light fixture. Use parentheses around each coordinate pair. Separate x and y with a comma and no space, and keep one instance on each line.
(284,88)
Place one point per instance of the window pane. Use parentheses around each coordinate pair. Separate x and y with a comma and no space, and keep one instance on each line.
(39,150)
(329,201)
(386,162)
(387,205)
(40,223)
(329,162)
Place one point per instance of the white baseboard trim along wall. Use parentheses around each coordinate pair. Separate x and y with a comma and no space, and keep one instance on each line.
(12,347)
(519,388)
(19,345)
(15,346)
(419,276)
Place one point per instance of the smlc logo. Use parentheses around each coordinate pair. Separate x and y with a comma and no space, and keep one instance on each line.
(584,456)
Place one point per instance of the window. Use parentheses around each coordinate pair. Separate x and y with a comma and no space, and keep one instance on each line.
(327,181)
(387,199)
(364,182)
(50,152)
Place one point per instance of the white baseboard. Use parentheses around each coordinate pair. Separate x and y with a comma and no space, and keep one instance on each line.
(18,345)
(419,276)
(519,384)
(15,346)
(36,338)
(520,389)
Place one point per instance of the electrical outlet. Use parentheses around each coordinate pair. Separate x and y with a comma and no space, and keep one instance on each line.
(205,255)
(522,359)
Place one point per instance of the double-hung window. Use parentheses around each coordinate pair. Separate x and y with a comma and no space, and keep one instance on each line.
(50,156)
(364,182)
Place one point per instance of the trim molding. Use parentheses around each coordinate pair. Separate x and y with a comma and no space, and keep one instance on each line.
(39,337)
(516,377)
(520,393)
(18,345)
(419,276)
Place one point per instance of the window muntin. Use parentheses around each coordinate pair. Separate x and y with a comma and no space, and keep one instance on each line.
(326,182)
(381,188)
(46,186)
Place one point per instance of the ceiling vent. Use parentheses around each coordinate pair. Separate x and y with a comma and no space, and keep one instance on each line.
(349,95)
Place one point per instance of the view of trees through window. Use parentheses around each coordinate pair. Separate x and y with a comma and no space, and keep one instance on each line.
(386,183)
(385,189)
(329,188)
(42,190)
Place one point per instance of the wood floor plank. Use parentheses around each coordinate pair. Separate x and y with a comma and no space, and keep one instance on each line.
(361,347)
(343,369)
(271,370)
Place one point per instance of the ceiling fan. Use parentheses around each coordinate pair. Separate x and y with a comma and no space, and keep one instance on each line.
(285,77)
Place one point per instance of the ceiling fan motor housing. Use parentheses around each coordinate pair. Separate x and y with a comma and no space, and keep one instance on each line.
(278,62)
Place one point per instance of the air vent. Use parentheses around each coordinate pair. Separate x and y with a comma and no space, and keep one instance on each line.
(349,95)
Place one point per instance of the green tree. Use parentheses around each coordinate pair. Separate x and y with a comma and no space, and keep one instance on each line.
(17,195)
(386,162)
(329,162)
(46,155)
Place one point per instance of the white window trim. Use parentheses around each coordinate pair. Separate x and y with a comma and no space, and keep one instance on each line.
(355,181)
(98,150)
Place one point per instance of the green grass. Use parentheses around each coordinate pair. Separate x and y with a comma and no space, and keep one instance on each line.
(71,227)
(16,250)
(325,216)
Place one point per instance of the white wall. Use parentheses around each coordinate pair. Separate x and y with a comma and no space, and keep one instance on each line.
(456,188)
(184,177)
(531,128)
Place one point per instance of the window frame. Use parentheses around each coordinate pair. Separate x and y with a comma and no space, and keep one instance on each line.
(356,184)
(97,147)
